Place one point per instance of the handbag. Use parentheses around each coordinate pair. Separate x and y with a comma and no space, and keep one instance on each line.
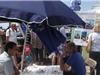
(91,62)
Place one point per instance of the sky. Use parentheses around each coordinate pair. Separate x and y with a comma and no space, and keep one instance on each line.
(81,0)
(85,4)
(47,0)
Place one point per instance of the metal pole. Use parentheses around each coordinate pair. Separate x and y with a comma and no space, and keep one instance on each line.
(24,48)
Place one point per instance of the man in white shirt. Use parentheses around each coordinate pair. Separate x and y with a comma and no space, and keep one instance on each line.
(6,63)
(11,34)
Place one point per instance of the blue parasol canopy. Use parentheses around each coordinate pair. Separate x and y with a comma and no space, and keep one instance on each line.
(56,12)
(36,12)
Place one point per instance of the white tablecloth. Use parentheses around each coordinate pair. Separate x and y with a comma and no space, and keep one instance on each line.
(42,70)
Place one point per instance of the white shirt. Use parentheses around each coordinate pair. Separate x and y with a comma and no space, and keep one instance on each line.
(12,35)
(95,41)
(62,30)
(6,65)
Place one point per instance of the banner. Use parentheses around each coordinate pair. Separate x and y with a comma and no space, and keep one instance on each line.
(80,36)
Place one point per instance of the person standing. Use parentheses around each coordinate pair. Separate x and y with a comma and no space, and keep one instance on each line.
(11,34)
(94,41)
(6,60)
(38,48)
(2,39)
(33,42)
(71,61)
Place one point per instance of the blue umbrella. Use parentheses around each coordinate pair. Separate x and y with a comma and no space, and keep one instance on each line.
(36,11)
(20,11)
(50,37)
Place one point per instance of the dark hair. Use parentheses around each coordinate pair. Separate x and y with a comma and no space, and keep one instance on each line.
(72,46)
(20,49)
(9,45)
(27,42)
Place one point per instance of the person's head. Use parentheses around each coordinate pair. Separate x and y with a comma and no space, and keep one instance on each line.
(13,26)
(70,47)
(10,48)
(96,28)
(19,50)
(27,48)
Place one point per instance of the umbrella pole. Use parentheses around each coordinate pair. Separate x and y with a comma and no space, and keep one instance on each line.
(23,54)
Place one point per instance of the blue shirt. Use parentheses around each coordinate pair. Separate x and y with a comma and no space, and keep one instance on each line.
(28,59)
(77,63)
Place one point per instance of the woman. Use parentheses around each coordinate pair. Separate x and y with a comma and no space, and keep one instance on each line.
(71,62)
(94,38)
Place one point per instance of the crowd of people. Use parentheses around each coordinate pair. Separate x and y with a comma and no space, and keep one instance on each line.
(70,60)
(29,51)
